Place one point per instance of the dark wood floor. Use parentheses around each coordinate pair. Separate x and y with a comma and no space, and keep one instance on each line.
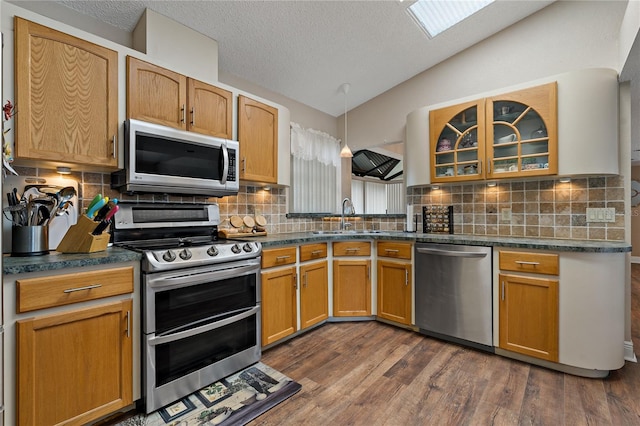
(368,373)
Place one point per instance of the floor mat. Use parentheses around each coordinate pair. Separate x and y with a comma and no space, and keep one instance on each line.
(234,400)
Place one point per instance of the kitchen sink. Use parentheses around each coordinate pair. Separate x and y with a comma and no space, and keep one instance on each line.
(351,232)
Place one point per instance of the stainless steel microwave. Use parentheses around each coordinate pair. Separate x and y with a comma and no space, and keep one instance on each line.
(167,160)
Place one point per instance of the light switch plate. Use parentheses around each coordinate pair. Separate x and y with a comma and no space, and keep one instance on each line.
(607,214)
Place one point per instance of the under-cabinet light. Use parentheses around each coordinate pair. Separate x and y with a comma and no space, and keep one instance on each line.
(564,180)
(491,184)
(436,187)
(63,170)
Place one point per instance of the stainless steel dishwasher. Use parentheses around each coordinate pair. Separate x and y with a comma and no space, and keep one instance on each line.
(453,293)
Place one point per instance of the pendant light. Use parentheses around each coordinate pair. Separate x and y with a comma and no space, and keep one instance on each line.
(345,152)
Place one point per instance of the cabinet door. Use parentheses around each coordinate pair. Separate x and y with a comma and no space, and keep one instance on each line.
(67,95)
(258,138)
(529,316)
(74,366)
(394,291)
(210,109)
(314,293)
(351,288)
(457,135)
(279,314)
(522,133)
(156,94)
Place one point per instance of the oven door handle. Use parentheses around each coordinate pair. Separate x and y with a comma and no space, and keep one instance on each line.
(159,340)
(161,282)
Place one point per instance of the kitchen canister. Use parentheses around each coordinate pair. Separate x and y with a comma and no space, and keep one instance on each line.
(29,240)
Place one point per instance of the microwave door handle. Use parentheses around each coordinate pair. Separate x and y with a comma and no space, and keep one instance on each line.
(203,329)
(225,166)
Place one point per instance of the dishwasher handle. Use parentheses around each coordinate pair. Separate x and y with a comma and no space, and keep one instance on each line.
(451,253)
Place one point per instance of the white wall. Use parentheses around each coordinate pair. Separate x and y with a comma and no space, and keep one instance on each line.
(561,37)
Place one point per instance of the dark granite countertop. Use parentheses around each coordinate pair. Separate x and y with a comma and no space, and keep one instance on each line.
(56,261)
(583,246)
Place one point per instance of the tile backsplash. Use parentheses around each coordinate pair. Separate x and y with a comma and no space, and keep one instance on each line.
(539,208)
(543,208)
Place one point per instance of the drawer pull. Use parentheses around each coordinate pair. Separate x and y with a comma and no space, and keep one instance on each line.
(353,249)
(522,262)
(316,252)
(89,287)
(282,258)
(392,251)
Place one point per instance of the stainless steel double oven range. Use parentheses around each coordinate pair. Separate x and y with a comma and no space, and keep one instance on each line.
(200,298)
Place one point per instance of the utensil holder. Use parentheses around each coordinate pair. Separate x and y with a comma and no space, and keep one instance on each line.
(79,238)
(29,240)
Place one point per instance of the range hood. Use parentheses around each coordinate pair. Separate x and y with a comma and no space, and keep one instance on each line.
(367,163)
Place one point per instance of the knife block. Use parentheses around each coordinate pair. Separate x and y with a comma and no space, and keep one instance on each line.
(79,239)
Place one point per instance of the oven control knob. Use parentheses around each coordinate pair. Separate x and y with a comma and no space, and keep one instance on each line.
(247,247)
(236,248)
(169,256)
(212,251)
(185,254)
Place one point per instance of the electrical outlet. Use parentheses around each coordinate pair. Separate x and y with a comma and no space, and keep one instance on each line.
(506,215)
(601,214)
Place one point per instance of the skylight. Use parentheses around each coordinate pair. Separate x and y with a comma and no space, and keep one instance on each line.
(436,16)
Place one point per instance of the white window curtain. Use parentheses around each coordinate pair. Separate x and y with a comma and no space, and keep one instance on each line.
(315,164)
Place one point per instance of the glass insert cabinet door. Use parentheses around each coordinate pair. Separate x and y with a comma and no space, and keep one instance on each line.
(522,133)
(457,136)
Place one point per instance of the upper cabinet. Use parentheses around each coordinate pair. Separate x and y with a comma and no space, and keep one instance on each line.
(564,125)
(67,97)
(511,135)
(258,138)
(158,95)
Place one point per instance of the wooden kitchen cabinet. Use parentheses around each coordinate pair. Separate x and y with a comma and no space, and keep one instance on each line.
(279,313)
(508,135)
(279,293)
(394,281)
(76,366)
(158,95)
(258,138)
(529,304)
(351,279)
(66,90)
(314,284)
(70,341)
(314,293)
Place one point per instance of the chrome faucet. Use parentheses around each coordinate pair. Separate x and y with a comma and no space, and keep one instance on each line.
(346,204)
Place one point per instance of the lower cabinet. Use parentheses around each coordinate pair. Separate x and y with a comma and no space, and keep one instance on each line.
(314,298)
(529,304)
(394,282)
(75,366)
(351,288)
(279,314)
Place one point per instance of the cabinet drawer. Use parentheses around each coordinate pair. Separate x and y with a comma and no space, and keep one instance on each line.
(313,251)
(58,290)
(278,257)
(351,248)
(534,263)
(394,249)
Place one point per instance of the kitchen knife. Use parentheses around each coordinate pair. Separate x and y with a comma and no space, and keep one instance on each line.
(105,222)
(97,206)
(93,202)
(102,213)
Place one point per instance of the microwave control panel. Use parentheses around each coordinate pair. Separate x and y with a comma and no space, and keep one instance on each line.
(231,174)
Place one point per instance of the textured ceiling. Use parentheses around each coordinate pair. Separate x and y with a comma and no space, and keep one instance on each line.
(306,50)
